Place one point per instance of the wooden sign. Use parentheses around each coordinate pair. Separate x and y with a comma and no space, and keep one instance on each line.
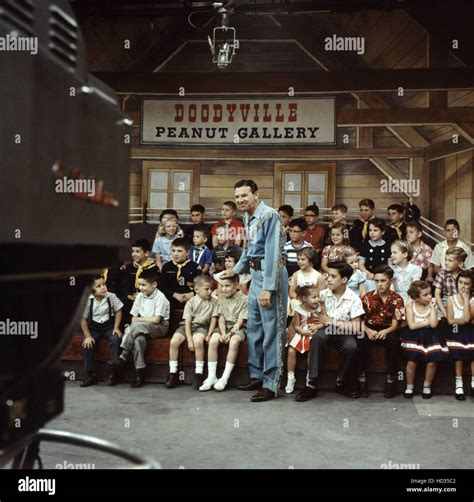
(249,121)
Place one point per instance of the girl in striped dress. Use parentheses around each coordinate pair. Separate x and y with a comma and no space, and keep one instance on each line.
(422,341)
(301,330)
(460,330)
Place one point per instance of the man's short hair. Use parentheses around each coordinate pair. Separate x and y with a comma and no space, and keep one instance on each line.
(181,242)
(142,243)
(247,183)
(344,269)
(298,222)
(150,275)
(367,202)
(198,208)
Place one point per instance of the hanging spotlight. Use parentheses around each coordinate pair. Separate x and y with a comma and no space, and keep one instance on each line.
(224,43)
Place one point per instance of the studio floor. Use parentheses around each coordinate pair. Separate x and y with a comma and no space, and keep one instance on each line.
(182,428)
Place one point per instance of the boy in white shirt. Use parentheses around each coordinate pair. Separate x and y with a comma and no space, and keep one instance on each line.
(341,316)
(150,319)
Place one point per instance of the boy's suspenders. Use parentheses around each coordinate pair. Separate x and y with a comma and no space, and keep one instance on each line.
(99,325)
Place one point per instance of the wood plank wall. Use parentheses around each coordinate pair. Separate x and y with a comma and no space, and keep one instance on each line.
(452,186)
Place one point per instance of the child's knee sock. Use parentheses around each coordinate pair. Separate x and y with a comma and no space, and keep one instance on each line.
(199,367)
(227,371)
(173,366)
(211,369)
(459,385)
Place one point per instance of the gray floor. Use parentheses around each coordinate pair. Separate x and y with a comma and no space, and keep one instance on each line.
(182,428)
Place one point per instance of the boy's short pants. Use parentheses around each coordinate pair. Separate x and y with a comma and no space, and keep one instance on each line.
(196,328)
(242,333)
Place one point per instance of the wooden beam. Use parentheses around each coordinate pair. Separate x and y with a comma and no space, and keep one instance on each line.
(404,116)
(466,129)
(446,148)
(312,81)
(421,173)
(323,153)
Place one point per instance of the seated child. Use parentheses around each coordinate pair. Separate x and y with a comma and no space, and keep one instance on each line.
(233,228)
(198,213)
(286,214)
(422,341)
(445,282)
(303,327)
(305,276)
(452,233)
(384,311)
(396,228)
(374,252)
(199,252)
(232,311)
(342,323)
(405,272)
(358,279)
(198,322)
(339,245)
(338,215)
(231,260)
(177,276)
(101,319)
(296,242)
(460,332)
(150,319)
(359,231)
(314,233)
(421,251)
(130,274)
(222,248)
(166,234)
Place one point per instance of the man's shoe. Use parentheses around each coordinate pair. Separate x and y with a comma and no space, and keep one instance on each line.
(263,394)
(88,381)
(112,379)
(253,384)
(197,381)
(172,380)
(363,392)
(390,390)
(117,364)
(352,393)
(306,394)
(139,379)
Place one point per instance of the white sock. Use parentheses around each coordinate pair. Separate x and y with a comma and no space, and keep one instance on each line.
(211,369)
(459,385)
(173,366)
(427,387)
(410,388)
(200,367)
(291,374)
(472,382)
(227,371)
